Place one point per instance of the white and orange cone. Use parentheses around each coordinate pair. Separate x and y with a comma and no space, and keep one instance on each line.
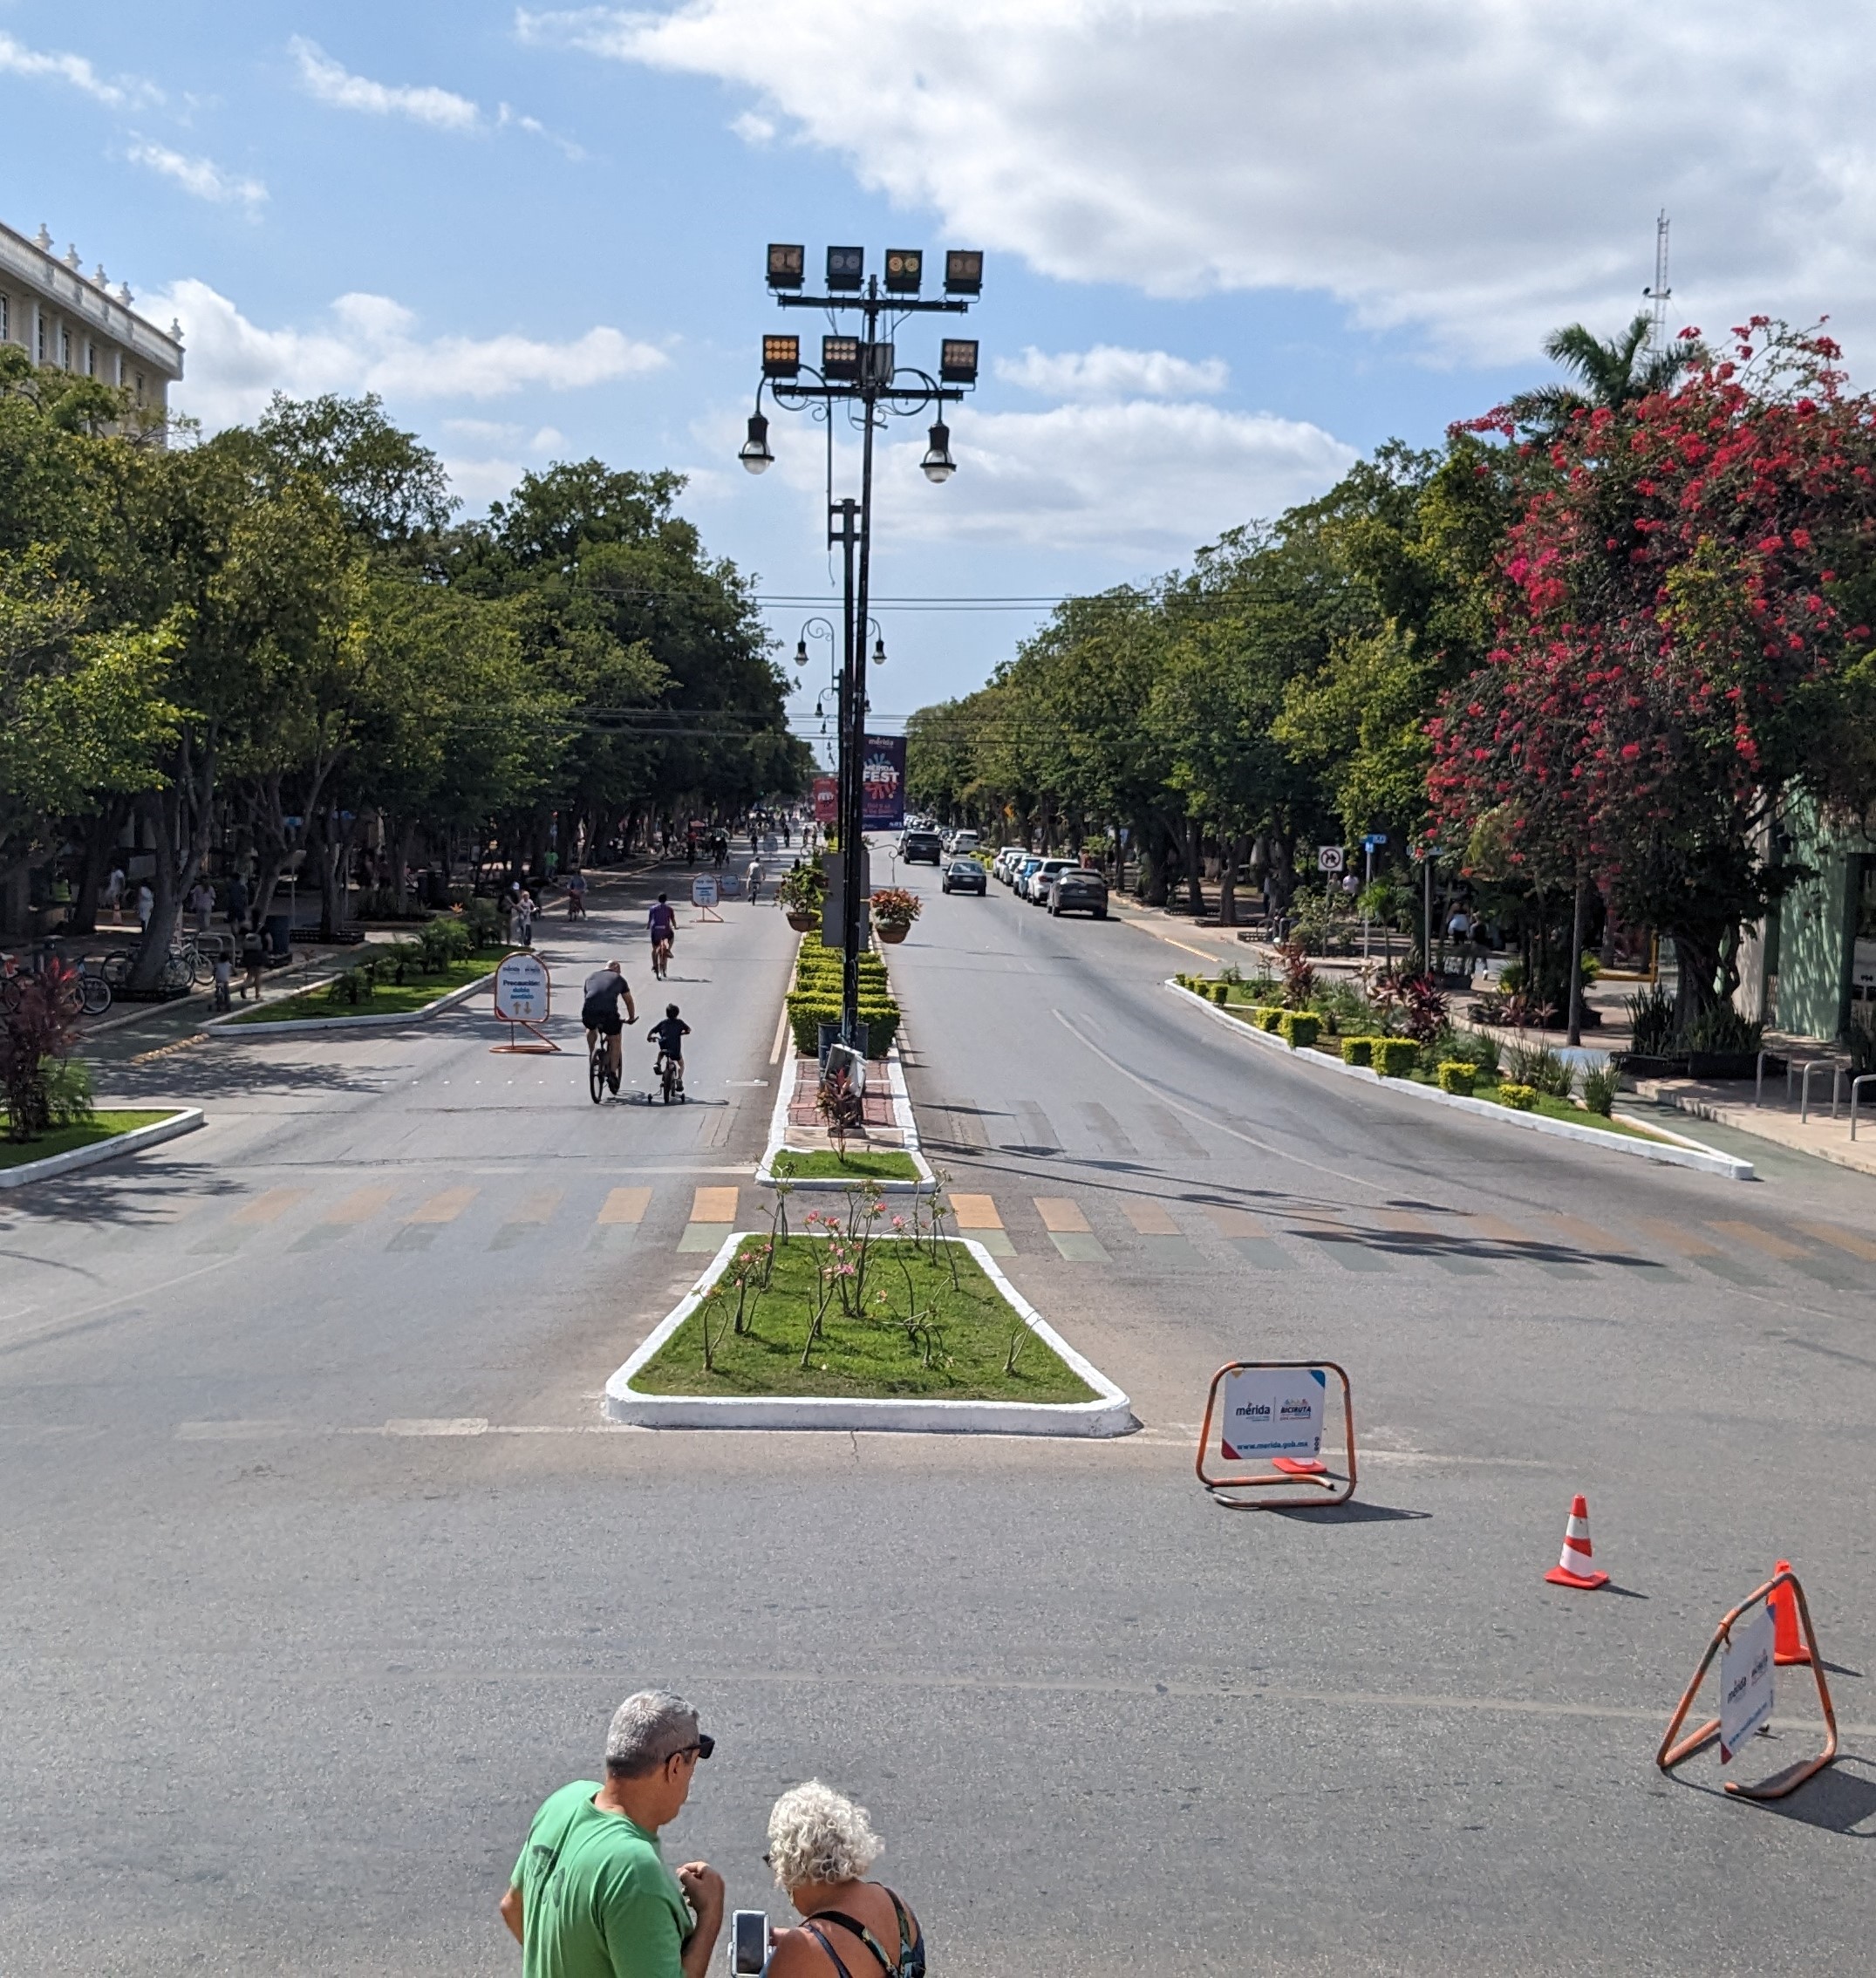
(1574,1568)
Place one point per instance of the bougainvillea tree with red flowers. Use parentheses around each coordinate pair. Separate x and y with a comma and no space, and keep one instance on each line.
(1686,592)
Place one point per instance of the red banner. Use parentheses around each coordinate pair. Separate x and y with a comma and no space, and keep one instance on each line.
(827,800)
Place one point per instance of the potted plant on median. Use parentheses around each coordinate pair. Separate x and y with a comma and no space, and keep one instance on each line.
(800,895)
(894,911)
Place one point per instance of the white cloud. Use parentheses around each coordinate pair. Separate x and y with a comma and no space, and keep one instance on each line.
(1142,482)
(370,343)
(200,176)
(1106,371)
(1479,169)
(16,59)
(333,84)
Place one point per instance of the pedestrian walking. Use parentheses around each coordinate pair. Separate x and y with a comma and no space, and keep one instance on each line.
(524,910)
(145,907)
(820,1846)
(113,895)
(590,1896)
(202,904)
(253,959)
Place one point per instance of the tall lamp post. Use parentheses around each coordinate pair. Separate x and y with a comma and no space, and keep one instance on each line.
(862,371)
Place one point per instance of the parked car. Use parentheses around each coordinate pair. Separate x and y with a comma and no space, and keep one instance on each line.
(1077,890)
(964,876)
(1020,872)
(1006,865)
(964,842)
(1036,890)
(917,847)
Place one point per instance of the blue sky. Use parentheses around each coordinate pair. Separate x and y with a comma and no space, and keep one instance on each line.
(1230,246)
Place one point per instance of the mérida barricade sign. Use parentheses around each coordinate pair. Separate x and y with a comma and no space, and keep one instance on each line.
(1274,1413)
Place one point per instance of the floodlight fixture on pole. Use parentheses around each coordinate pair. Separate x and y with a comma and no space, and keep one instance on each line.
(862,372)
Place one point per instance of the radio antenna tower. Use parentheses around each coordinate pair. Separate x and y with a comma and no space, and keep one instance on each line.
(1659,294)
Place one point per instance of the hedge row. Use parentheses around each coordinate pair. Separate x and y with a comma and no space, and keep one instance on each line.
(815,997)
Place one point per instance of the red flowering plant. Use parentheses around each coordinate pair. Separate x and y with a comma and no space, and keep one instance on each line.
(1682,598)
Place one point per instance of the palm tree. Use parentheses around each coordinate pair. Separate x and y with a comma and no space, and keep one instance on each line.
(1615,373)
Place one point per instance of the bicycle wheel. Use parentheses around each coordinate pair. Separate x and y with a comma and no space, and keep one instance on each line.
(94,994)
(175,973)
(201,968)
(595,1070)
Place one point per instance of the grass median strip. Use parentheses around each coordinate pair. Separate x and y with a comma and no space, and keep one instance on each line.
(857,1164)
(68,1139)
(388,999)
(905,1330)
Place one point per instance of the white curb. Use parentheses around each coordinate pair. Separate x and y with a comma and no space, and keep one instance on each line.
(778,1132)
(1110,1414)
(230,1030)
(1683,1154)
(185,1119)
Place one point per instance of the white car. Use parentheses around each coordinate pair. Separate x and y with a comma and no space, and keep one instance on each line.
(1035,887)
(1005,867)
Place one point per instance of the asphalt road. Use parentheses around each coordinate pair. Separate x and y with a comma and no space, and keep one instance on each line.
(319,1570)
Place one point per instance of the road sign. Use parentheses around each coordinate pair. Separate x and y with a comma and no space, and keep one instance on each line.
(1328,858)
(1374,841)
(1746,1681)
(522,990)
(704,889)
(1273,1412)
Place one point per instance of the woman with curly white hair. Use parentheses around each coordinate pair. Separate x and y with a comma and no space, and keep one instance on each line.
(820,1846)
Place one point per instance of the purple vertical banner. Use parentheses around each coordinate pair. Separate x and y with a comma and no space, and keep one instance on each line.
(883,783)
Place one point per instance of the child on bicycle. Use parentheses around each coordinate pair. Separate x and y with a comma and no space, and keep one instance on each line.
(669,1037)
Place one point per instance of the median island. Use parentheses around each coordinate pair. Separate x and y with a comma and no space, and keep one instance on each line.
(849,1164)
(66,1138)
(856,1307)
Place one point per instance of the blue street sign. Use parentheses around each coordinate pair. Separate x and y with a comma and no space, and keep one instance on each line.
(1374,841)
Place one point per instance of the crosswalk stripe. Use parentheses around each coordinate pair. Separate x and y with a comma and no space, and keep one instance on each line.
(623,1205)
(1231,1223)
(1760,1239)
(1844,1239)
(1525,1247)
(444,1206)
(1328,1228)
(269,1207)
(1588,1236)
(1150,1216)
(1686,1242)
(714,1205)
(1060,1216)
(359,1206)
(1415,1228)
(537,1206)
(975,1212)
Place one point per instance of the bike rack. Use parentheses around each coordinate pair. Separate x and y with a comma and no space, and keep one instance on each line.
(1340,1491)
(1672,1754)
(1856,1087)
(1803,1103)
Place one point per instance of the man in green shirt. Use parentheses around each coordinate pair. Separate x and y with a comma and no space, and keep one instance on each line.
(590,1896)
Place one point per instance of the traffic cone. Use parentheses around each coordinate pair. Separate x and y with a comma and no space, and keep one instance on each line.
(1788,1644)
(1574,1569)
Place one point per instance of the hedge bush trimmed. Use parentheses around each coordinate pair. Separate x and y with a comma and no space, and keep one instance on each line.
(1220,992)
(1358,1050)
(1270,1020)
(1455,1074)
(1300,1028)
(809,1009)
(1393,1057)
(1519,1098)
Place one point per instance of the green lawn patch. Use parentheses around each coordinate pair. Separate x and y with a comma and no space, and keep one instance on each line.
(857,1164)
(390,998)
(972,1327)
(64,1139)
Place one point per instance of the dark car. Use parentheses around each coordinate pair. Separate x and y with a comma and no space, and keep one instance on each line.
(1075,890)
(921,846)
(964,876)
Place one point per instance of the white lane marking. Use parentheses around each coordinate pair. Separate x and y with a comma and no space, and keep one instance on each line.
(1206,1119)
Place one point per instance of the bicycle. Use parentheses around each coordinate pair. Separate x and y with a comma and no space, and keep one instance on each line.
(670,1078)
(660,958)
(599,1071)
(94,987)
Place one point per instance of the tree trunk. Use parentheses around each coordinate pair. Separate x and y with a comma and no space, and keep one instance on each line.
(1233,851)
(1574,978)
(1697,961)
(101,833)
(1153,844)
(1282,871)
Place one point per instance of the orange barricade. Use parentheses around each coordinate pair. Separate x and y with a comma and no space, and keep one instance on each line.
(1672,1753)
(1293,1459)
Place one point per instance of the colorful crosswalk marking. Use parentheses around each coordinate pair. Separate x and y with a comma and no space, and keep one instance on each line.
(356,1208)
(1766,1240)
(976,1217)
(1326,1226)
(1842,1239)
(532,1212)
(1250,1235)
(444,1206)
(1696,1248)
(1524,1248)
(624,1206)
(1060,1216)
(714,1205)
(270,1207)
(1427,1241)
(1150,1218)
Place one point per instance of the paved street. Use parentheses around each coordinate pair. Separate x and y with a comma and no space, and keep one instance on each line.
(320,1570)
